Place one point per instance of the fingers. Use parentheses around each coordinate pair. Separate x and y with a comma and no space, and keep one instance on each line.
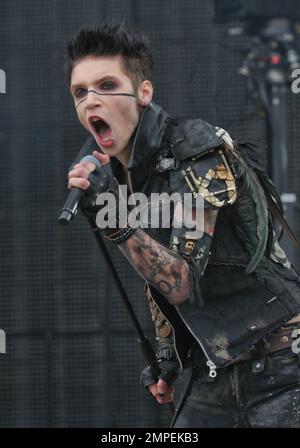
(163,387)
(78,182)
(79,174)
(80,171)
(103,158)
(162,392)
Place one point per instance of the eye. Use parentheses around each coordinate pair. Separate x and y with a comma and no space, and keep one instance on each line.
(79,93)
(108,85)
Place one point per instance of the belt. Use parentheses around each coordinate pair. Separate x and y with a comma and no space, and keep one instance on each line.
(277,341)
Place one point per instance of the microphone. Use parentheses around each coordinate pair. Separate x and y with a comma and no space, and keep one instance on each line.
(70,207)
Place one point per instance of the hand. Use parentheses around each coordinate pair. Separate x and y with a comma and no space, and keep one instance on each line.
(78,176)
(92,180)
(161,387)
(162,392)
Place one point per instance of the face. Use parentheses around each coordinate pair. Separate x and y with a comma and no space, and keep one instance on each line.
(110,117)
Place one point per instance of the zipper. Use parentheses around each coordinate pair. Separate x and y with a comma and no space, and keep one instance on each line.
(210,364)
(212,369)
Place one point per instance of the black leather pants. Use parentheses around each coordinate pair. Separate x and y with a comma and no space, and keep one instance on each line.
(237,397)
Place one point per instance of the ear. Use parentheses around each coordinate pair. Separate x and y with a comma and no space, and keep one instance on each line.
(145,93)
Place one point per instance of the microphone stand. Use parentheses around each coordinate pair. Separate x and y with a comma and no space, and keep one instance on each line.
(269,67)
(144,343)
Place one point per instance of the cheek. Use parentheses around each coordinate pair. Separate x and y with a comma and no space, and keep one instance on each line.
(130,115)
(81,119)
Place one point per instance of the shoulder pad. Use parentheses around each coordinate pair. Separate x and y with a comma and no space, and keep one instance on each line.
(210,177)
(194,137)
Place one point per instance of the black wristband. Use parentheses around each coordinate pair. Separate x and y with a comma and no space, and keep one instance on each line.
(121,235)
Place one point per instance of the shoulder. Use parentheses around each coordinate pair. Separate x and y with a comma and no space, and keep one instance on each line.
(211,178)
(202,166)
(194,137)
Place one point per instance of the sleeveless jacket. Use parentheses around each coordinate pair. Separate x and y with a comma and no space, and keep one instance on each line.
(237,308)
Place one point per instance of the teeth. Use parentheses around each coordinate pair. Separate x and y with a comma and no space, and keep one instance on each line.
(108,138)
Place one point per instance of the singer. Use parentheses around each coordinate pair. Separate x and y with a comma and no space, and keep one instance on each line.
(226,301)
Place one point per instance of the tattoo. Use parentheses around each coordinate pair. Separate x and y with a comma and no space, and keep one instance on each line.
(162,268)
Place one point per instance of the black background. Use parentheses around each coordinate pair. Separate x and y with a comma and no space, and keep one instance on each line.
(72,359)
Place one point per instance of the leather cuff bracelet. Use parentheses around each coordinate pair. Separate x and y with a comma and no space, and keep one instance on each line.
(121,235)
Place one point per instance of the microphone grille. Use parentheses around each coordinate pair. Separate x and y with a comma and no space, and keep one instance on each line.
(91,159)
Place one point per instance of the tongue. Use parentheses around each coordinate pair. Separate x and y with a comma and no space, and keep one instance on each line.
(105,136)
(105,132)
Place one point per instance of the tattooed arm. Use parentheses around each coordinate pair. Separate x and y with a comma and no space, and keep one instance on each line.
(161,267)
(164,269)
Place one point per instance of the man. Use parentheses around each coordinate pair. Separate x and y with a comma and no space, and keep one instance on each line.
(225,300)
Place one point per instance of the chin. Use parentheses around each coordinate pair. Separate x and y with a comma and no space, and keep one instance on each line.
(112,152)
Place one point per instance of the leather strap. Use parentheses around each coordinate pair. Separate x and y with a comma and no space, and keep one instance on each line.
(277,341)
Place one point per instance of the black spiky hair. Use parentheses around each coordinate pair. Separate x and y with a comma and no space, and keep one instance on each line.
(111,40)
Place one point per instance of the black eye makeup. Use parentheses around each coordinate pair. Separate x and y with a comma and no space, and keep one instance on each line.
(104,85)
(79,93)
(108,85)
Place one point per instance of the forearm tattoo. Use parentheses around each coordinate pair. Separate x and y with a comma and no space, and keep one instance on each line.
(162,268)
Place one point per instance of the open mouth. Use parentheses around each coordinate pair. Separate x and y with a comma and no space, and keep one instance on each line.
(101,128)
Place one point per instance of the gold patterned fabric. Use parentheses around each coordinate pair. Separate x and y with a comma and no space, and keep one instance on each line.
(216,185)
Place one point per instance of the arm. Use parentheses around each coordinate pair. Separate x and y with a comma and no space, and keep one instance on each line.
(161,267)
(175,275)
(161,387)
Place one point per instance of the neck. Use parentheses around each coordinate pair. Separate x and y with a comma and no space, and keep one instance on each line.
(125,156)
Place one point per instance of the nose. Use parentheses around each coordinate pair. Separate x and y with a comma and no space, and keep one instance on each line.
(92,99)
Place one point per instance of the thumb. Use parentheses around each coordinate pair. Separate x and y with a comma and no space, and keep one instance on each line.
(103,158)
(162,387)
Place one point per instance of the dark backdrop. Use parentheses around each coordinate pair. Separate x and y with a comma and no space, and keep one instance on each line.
(72,359)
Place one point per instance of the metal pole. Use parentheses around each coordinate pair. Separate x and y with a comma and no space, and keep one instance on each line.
(277,80)
(145,345)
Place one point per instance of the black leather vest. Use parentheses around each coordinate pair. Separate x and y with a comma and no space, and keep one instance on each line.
(239,309)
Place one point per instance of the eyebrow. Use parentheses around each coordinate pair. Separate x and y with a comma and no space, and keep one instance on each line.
(73,87)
